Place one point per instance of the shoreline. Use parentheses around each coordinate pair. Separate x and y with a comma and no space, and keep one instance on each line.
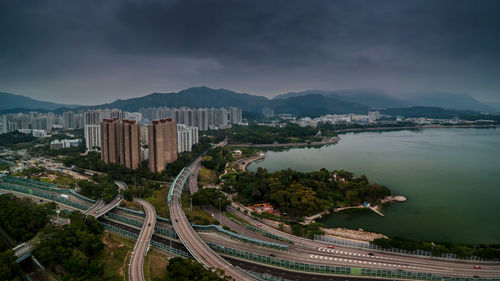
(242,164)
(334,140)
(376,209)
(338,231)
(331,140)
(413,127)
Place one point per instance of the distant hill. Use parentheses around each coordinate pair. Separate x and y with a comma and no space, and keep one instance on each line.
(315,105)
(380,100)
(449,101)
(373,98)
(10,101)
(194,97)
(310,105)
(307,103)
(494,105)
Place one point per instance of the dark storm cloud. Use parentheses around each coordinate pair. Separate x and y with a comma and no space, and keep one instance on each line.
(95,51)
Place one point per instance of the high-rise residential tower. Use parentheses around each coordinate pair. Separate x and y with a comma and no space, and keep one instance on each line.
(120,142)
(162,143)
(235,115)
(92,136)
(186,137)
(4,128)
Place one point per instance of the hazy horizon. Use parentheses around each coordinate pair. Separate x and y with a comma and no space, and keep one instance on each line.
(91,52)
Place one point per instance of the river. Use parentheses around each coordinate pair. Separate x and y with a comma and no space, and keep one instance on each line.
(451,177)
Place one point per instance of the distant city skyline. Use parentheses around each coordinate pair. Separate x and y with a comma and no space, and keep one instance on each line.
(87,53)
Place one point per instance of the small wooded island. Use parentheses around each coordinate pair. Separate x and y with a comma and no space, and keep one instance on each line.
(299,194)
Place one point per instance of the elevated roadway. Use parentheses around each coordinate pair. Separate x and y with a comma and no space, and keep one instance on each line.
(108,207)
(99,208)
(196,247)
(23,251)
(136,267)
(94,209)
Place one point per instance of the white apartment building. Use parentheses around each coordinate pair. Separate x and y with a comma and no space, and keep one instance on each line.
(186,137)
(4,128)
(235,115)
(92,136)
(60,144)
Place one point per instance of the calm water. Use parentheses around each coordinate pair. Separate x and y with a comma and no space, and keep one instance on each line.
(451,178)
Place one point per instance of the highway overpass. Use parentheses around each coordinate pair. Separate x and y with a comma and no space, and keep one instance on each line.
(99,208)
(193,243)
(135,270)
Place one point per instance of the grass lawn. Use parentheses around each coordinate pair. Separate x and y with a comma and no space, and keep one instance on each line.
(130,205)
(155,264)
(116,256)
(63,180)
(205,176)
(159,201)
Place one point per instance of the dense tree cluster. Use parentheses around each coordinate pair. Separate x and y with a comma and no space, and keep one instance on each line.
(16,137)
(46,151)
(9,268)
(3,166)
(210,196)
(71,250)
(307,230)
(23,219)
(441,248)
(301,194)
(180,269)
(215,159)
(104,187)
(256,134)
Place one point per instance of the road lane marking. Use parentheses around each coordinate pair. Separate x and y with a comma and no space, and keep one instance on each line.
(359,261)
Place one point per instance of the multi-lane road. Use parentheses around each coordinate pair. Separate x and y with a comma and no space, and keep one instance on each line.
(136,266)
(200,251)
(314,252)
(94,209)
(99,208)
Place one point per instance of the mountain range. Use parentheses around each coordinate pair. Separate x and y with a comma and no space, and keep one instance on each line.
(307,103)
(11,101)
(380,100)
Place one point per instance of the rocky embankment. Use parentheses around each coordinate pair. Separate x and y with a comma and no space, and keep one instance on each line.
(359,235)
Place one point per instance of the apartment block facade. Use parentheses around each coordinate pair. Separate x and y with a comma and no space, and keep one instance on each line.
(162,143)
(120,142)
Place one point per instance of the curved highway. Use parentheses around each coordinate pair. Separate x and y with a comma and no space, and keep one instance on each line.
(94,209)
(200,251)
(99,208)
(136,266)
(108,207)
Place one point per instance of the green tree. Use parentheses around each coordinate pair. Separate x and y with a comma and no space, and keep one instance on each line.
(29,217)
(180,269)
(72,250)
(9,268)
(210,196)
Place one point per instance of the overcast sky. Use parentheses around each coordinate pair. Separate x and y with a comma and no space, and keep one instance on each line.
(94,51)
